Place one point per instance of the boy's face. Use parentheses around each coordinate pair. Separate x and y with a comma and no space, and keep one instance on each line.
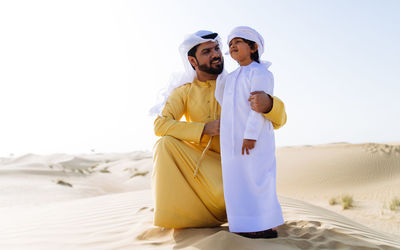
(240,51)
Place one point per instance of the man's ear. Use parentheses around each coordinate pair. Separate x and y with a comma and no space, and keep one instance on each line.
(193,61)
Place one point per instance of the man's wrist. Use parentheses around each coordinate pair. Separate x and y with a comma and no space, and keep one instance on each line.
(204,130)
(268,109)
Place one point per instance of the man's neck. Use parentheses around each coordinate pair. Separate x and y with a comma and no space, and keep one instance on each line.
(206,77)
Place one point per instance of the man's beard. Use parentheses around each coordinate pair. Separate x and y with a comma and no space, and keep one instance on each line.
(210,69)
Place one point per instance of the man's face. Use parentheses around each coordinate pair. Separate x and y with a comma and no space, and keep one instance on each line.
(209,58)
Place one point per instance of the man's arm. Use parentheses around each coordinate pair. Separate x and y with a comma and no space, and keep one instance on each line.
(169,122)
(272,108)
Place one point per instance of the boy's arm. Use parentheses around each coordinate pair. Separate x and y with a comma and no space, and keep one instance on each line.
(219,89)
(260,81)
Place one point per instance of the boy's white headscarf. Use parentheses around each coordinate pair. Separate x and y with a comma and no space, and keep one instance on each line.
(249,34)
(252,35)
(179,79)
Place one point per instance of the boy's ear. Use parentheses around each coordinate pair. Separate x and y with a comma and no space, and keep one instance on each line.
(255,48)
(193,61)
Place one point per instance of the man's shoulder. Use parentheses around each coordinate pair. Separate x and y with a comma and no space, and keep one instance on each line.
(182,90)
(183,87)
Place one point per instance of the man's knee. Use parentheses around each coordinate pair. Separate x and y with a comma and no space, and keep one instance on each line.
(167,140)
(165,143)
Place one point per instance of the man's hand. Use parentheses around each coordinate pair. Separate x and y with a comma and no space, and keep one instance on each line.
(247,145)
(211,128)
(260,102)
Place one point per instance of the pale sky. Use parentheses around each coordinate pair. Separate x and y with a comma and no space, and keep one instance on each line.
(82,75)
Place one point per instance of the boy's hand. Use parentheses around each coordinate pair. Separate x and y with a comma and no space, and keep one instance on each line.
(248,144)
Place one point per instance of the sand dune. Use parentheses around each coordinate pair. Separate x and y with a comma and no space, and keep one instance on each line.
(340,167)
(124,221)
(368,172)
(103,201)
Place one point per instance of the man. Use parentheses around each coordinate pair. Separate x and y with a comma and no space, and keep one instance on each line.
(187,177)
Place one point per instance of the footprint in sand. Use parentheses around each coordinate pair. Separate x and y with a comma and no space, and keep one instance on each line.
(145,208)
(158,236)
(313,235)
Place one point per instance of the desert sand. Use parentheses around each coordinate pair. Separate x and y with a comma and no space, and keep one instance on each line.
(104,201)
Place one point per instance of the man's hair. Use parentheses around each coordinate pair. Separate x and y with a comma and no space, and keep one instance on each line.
(192,51)
(254,56)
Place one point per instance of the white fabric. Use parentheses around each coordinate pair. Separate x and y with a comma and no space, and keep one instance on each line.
(179,79)
(249,34)
(249,180)
(221,80)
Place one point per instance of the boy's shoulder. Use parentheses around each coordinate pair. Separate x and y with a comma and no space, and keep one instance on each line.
(234,72)
(261,69)
(255,69)
(230,76)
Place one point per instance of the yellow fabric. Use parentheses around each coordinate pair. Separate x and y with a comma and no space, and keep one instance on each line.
(180,199)
(277,115)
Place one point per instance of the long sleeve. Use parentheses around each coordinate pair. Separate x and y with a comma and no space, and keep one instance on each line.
(277,115)
(261,80)
(169,123)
